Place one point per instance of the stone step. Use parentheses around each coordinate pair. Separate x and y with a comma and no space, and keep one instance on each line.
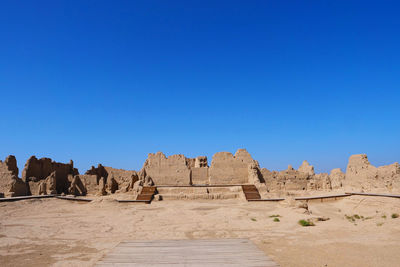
(228,192)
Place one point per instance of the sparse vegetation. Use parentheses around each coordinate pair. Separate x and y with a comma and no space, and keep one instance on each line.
(350,218)
(355,217)
(276,219)
(395,215)
(253,219)
(306,223)
(275,216)
(384,216)
(379,224)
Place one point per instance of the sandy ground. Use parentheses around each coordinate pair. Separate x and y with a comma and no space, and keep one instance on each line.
(53,232)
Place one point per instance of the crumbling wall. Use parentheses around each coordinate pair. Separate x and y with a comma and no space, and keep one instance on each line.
(174,170)
(337,178)
(304,178)
(272,182)
(44,176)
(362,175)
(199,171)
(306,168)
(10,184)
(90,183)
(320,181)
(108,180)
(36,170)
(124,179)
(100,171)
(294,179)
(230,169)
(9,165)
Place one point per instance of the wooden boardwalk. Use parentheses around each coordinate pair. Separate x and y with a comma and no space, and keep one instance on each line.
(323,197)
(24,198)
(73,198)
(375,195)
(188,253)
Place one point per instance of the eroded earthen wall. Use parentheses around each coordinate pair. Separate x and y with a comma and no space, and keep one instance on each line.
(230,169)
(174,170)
(362,175)
(36,170)
(10,184)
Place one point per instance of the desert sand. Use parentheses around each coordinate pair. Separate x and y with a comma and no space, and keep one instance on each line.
(54,232)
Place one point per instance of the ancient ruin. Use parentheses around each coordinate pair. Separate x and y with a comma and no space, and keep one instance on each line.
(178,177)
(55,175)
(10,184)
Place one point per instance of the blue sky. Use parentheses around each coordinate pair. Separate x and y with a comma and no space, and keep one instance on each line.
(110,81)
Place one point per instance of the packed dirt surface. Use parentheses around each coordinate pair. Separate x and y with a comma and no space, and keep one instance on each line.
(53,232)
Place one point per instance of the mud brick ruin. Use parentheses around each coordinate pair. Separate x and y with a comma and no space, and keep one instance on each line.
(179,177)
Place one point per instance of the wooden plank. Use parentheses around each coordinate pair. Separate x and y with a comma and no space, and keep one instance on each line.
(189,253)
(322,197)
(267,199)
(24,198)
(74,198)
(375,195)
(133,201)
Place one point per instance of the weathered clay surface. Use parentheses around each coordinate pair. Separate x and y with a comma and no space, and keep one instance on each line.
(77,187)
(100,171)
(124,179)
(17,188)
(90,183)
(174,170)
(199,176)
(306,168)
(230,169)
(337,178)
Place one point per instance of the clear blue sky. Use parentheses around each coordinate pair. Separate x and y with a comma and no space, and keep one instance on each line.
(110,81)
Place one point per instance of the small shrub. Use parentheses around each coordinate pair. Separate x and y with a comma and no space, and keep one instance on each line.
(275,216)
(395,215)
(306,223)
(379,224)
(350,218)
(253,219)
(276,219)
(384,216)
(355,217)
